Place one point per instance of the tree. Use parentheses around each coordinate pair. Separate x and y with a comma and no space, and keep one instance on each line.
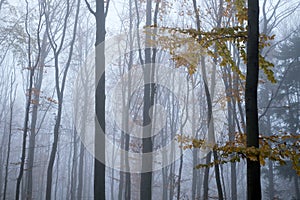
(147,146)
(59,85)
(149,93)
(288,98)
(12,98)
(253,167)
(31,66)
(34,116)
(99,167)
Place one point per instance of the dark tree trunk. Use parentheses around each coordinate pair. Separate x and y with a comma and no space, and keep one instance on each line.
(146,177)
(271,180)
(27,109)
(297,188)
(53,152)
(253,167)
(206,175)
(99,168)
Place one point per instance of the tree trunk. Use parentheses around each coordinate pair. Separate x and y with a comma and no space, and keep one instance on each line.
(80,172)
(253,167)
(128,97)
(121,182)
(146,177)
(206,175)
(297,189)
(195,153)
(183,123)
(27,110)
(60,95)
(84,120)
(74,165)
(34,116)
(99,166)
(11,106)
(227,77)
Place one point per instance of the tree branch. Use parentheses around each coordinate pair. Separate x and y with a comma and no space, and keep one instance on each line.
(89,7)
(276,92)
(106,8)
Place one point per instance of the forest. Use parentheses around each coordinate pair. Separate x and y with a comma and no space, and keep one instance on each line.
(150,99)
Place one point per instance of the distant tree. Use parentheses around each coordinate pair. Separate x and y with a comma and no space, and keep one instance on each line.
(32,65)
(148,99)
(59,83)
(12,98)
(288,99)
(147,146)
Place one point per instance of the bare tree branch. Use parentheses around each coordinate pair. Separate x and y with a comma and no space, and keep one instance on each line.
(276,92)
(89,7)
(106,8)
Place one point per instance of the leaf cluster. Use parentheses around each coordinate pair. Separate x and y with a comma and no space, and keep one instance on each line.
(186,46)
(278,148)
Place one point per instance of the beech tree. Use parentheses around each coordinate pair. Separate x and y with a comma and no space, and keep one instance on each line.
(59,84)
(253,167)
(32,65)
(99,167)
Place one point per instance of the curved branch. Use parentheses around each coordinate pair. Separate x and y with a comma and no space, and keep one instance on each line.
(106,8)
(89,7)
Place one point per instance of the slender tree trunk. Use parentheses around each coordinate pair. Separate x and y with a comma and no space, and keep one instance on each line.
(123,135)
(57,175)
(121,182)
(209,96)
(99,166)
(84,120)
(60,93)
(270,166)
(11,106)
(218,178)
(27,109)
(223,181)
(53,152)
(112,192)
(211,134)
(297,188)
(183,123)
(128,97)
(206,175)
(195,153)
(231,124)
(74,166)
(146,177)
(253,167)
(173,122)
(70,170)
(80,172)
(36,99)
(271,180)
(164,170)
